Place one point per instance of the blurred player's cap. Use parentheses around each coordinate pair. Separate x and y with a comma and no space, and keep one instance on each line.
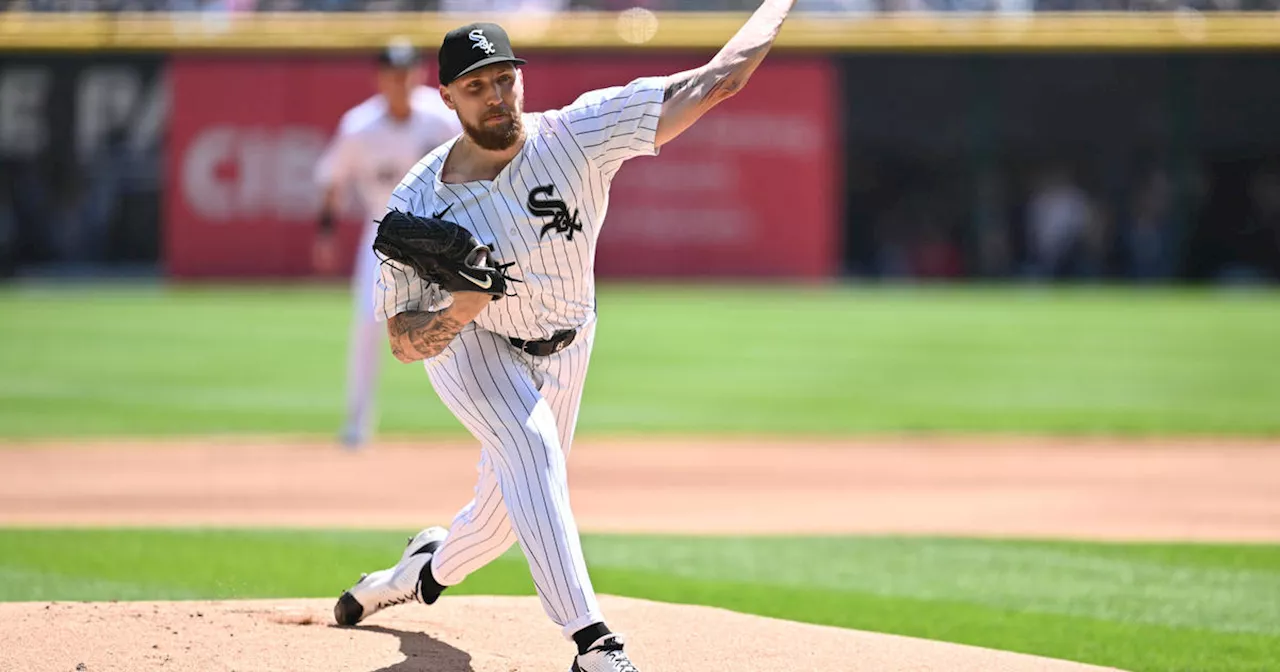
(399,53)
(474,46)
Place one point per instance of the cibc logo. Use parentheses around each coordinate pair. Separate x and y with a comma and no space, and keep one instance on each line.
(237,172)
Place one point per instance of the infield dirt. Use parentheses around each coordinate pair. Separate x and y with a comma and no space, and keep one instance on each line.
(1091,489)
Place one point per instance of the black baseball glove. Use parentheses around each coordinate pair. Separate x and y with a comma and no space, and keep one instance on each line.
(441,252)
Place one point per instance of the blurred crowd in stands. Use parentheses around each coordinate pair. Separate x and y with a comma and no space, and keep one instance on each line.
(1054,222)
(853,6)
(1214,222)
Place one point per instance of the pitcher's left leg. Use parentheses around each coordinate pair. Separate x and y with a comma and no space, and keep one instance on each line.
(561,379)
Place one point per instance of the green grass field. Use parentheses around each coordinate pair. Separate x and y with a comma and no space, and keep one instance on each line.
(1140,607)
(751,360)
(711,360)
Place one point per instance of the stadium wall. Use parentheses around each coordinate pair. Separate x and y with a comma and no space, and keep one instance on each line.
(188,141)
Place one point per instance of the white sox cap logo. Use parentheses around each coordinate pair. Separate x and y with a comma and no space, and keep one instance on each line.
(481,42)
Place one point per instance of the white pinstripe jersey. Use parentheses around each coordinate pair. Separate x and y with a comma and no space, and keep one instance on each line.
(543,211)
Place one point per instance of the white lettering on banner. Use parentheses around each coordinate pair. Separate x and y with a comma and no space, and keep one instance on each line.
(149,122)
(781,133)
(105,100)
(673,175)
(23,132)
(201,187)
(230,172)
(682,226)
(298,150)
(250,166)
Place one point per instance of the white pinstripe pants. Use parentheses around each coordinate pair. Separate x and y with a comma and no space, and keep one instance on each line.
(523,410)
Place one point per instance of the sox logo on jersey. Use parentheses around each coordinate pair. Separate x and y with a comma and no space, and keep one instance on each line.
(561,221)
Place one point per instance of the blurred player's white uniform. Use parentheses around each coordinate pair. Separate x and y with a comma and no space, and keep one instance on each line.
(368,156)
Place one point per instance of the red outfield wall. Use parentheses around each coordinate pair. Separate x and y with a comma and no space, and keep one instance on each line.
(245,133)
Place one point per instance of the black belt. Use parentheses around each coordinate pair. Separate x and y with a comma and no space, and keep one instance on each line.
(559,341)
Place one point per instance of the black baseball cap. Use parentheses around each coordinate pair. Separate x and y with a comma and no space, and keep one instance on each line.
(399,53)
(474,46)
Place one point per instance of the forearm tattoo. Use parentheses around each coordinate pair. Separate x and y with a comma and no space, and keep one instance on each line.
(677,85)
(419,335)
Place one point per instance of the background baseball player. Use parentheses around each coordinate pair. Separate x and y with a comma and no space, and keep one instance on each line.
(511,365)
(377,142)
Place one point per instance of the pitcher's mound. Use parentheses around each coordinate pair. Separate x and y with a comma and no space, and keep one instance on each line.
(458,634)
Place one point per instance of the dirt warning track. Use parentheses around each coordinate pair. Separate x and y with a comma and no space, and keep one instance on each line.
(1060,488)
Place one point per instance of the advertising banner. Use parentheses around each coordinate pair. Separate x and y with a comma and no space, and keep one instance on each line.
(246,134)
(244,140)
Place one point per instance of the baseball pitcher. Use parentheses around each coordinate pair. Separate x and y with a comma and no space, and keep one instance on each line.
(488,278)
